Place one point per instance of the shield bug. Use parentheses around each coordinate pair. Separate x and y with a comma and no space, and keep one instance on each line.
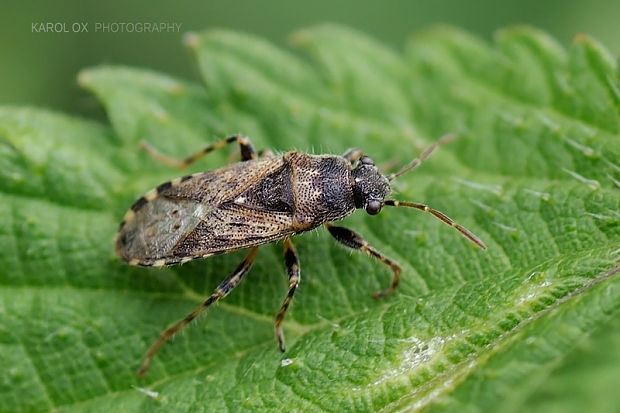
(254,202)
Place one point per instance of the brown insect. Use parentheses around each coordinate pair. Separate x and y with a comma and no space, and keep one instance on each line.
(253,202)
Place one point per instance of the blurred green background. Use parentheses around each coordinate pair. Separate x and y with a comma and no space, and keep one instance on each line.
(40,68)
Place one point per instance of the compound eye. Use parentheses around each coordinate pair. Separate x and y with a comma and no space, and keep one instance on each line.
(366,160)
(373,207)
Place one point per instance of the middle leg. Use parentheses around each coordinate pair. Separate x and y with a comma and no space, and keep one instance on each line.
(292,266)
(353,240)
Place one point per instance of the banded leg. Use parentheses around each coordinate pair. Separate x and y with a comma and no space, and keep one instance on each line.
(353,240)
(247,151)
(220,292)
(292,267)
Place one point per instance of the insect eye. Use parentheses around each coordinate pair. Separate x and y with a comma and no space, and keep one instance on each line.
(366,160)
(373,207)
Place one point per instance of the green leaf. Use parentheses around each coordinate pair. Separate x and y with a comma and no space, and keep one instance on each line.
(528,324)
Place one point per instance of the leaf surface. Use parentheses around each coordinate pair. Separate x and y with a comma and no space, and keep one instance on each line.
(534,173)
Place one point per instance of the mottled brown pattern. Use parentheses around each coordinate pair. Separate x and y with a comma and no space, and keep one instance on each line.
(254,202)
(237,206)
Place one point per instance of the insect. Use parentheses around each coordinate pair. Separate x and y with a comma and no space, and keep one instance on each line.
(254,202)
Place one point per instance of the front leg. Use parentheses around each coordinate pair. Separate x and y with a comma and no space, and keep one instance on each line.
(353,154)
(353,240)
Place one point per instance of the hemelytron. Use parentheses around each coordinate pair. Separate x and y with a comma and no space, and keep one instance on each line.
(254,202)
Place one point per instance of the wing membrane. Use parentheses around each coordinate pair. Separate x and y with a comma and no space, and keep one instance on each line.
(208,213)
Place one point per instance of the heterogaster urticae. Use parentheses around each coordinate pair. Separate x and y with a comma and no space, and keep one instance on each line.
(254,202)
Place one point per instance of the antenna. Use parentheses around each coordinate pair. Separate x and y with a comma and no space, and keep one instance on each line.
(427,152)
(441,216)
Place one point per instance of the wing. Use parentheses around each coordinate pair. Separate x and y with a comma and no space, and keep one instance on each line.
(238,206)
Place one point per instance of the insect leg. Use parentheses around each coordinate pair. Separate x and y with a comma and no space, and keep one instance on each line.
(265,153)
(353,154)
(292,266)
(220,292)
(247,151)
(353,240)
